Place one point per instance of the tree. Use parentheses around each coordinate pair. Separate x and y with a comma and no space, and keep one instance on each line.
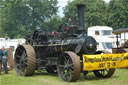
(20,16)
(118,17)
(95,12)
(53,23)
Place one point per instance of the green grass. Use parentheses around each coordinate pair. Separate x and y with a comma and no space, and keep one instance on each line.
(120,77)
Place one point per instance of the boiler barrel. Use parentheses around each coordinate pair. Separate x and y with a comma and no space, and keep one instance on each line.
(85,45)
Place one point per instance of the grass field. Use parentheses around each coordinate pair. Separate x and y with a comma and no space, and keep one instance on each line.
(120,77)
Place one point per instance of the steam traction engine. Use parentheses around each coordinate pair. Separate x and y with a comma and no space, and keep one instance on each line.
(59,52)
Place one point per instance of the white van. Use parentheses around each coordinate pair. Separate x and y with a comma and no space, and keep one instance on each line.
(104,37)
(100,31)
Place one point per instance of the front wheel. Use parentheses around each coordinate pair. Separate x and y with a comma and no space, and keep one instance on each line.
(69,66)
(105,73)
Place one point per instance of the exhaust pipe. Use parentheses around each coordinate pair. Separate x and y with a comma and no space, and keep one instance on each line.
(81,26)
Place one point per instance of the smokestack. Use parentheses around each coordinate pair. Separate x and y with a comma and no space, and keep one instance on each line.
(80,8)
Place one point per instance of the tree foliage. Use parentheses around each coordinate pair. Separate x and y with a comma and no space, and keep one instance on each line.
(17,17)
(53,23)
(118,17)
(20,16)
(97,12)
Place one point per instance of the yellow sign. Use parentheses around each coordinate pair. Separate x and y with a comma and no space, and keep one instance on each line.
(103,61)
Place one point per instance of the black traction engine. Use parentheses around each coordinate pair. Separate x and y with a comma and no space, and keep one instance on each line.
(58,52)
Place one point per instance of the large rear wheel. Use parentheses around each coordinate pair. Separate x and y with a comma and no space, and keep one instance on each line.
(105,73)
(69,66)
(25,60)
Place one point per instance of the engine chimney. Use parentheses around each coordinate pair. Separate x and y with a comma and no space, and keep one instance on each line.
(80,8)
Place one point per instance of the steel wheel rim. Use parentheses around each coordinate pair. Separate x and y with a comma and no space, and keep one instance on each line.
(25,60)
(69,67)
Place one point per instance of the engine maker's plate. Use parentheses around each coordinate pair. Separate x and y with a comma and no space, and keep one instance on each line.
(104,61)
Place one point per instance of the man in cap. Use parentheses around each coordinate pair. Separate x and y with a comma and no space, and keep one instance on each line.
(4,59)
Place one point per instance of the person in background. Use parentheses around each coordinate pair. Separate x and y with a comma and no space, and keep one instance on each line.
(4,60)
(1,54)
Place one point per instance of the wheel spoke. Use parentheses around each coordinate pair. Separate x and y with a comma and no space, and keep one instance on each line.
(107,70)
(25,60)
(69,66)
(20,50)
(65,60)
(71,71)
(65,75)
(24,54)
(61,66)
(18,66)
(69,74)
(103,72)
(18,56)
(68,61)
